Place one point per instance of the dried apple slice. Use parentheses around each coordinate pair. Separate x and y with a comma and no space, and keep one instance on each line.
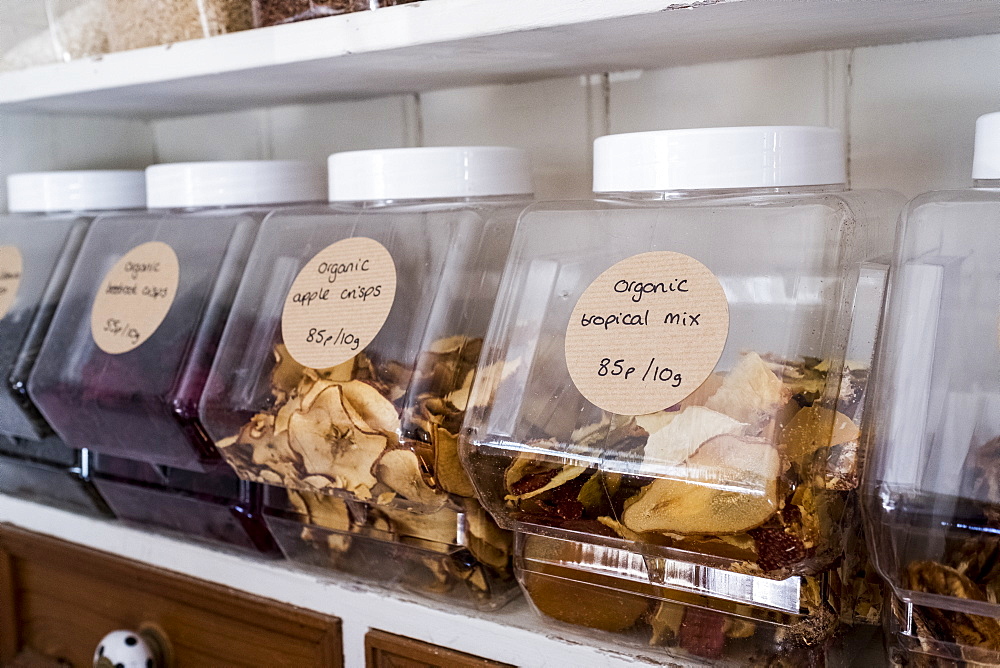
(440,527)
(375,411)
(728,486)
(323,436)
(400,471)
(750,391)
(447,467)
(683,435)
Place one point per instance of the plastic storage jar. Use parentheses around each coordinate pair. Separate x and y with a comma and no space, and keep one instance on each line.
(608,591)
(349,357)
(36,32)
(274,12)
(933,488)
(39,241)
(459,557)
(672,368)
(125,361)
(133,24)
(215,507)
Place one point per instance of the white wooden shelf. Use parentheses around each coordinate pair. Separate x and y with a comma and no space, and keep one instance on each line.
(446,43)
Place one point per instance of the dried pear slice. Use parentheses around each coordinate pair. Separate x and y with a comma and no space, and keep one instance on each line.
(376,412)
(750,391)
(400,471)
(330,448)
(566,474)
(816,427)
(730,485)
(678,440)
(447,467)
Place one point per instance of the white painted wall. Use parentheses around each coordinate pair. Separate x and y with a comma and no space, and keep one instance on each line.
(907,109)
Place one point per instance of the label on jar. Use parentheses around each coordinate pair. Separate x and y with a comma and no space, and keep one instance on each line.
(134,297)
(11,265)
(338,302)
(647,333)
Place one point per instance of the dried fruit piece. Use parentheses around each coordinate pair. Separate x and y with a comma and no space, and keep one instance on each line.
(679,439)
(728,486)
(777,549)
(369,410)
(750,392)
(702,633)
(665,622)
(448,468)
(400,471)
(564,475)
(322,433)
(815,427)
(583,604)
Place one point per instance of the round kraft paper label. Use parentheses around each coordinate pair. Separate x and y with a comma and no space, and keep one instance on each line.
(11,265)
(338,302)
(647,333)
(134,297)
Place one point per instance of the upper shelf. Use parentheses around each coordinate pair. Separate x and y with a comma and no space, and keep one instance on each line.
(446,43)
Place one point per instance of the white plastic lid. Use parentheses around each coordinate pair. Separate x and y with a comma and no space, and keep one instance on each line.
(87,190)
(235,183)
(438,172)
(719,158)
(986,158)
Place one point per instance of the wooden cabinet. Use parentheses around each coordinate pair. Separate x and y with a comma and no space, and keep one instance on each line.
(385,650)
(58,600)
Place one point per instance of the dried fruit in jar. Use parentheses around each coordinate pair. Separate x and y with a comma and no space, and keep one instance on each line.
(753,467)
(374,429)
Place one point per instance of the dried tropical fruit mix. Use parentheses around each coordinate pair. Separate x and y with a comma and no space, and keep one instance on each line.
(753,471)
(454,555)
(654,616)
(371,428)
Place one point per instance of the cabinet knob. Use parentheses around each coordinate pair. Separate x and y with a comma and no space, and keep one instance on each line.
(132,649)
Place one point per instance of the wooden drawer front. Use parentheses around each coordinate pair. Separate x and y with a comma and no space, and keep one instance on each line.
(385,650)
(59,600)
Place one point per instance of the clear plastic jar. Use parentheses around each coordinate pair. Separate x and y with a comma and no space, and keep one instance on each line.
(459,557)
(932,490)
(125,361)
(37,32)
(134,24)
(678,368)
(275,12)
(39,241)
(25,39)
(347,361)
(214,507)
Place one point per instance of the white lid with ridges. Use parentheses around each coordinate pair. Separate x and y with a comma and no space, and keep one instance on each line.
(986,159)
(439,172)
(719,158)
(84,190)
(234,183)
